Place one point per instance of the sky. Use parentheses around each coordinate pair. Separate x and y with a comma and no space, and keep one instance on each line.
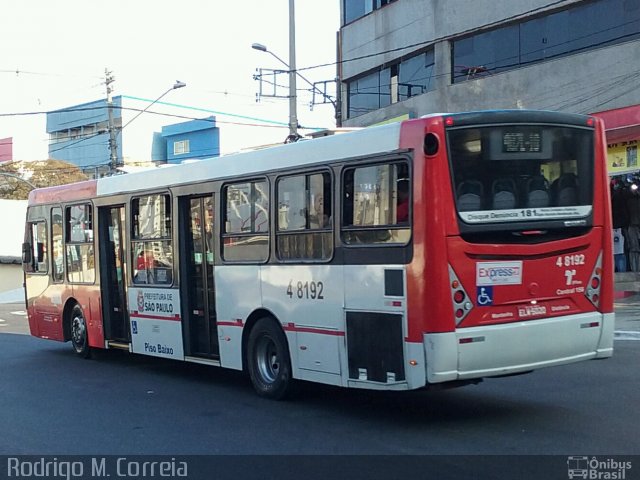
(54,55)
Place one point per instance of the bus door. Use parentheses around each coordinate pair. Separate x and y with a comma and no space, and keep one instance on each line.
(113,273)
(197,284)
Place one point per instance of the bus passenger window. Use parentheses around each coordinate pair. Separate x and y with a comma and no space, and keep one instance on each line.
(304,217)
(376,204)
(151,245)
(79,244)
(57,247)
(245,233)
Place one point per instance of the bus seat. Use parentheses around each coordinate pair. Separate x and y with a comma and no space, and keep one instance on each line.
(565,190)
(469,195)
(537,192)
(503,191)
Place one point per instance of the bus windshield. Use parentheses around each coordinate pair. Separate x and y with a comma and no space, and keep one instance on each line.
(522,173)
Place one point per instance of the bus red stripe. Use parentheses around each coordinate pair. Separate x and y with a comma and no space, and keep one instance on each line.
(290,327)
(176,318)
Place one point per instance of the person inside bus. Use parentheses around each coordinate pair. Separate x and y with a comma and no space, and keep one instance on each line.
(319,217)
(145,264)
(402,206)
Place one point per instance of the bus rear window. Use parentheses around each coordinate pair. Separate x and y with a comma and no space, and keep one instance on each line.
(521,173)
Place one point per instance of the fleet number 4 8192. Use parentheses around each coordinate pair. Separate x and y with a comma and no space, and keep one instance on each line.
(570,260)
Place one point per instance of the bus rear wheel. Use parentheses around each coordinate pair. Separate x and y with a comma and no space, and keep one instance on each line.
(269,364)
(79,335)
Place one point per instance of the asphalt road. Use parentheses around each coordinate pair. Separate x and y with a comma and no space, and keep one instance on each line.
(116,403)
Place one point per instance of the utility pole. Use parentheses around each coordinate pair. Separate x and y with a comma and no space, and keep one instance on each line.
(293,116)
(113,144)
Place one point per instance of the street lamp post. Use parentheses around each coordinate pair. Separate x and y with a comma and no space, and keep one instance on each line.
(175,86)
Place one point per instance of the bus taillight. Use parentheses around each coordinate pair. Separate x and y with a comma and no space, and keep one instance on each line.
(461,305)
(593,289)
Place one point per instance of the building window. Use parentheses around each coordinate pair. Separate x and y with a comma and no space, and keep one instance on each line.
(354,9)
(583,27)
(79,244)
(57,247)
(369,93)
(181,147)
(376,203)
(415,76)
(245,234)
(151,243)
(410,77)
(305,227)
(39,247)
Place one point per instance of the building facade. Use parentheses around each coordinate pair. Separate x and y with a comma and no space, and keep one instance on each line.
(197,139)
(6,149)
(406,58)
(80,134)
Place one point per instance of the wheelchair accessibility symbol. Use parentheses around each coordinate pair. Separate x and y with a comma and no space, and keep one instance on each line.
(484,296)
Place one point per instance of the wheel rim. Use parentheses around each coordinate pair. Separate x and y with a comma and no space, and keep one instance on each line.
(267,359)
(78,331)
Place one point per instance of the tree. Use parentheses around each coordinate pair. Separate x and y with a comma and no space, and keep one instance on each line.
(42,173)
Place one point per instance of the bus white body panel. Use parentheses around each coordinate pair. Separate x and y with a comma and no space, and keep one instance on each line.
(238,293)
(308,300)
(156,326)
(311,302)
(505,349)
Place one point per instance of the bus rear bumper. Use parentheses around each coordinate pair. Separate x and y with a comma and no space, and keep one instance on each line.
(517,347)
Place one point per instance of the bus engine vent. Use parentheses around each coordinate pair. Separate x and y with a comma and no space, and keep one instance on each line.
(593,288)
(461,302)
(375,347)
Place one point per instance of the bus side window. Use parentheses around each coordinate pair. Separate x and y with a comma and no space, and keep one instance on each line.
(376,206)
(304,217)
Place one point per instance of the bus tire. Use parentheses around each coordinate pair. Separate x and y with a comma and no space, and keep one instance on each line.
(79,334)
(268,358)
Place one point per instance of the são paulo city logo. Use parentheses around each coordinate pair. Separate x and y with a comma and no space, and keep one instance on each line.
(140,300)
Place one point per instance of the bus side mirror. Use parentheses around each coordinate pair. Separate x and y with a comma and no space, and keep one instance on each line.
(40,249)
(26,253)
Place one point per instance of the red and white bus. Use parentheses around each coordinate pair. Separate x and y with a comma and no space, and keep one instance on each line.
(443,249)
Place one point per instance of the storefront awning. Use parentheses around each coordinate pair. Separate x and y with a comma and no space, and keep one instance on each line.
(621,124)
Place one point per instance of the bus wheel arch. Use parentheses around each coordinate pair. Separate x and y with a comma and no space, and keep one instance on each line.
(66,318)
(267,356)
(75,326)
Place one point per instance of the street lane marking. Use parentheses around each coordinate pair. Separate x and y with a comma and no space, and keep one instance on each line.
(626,335)
(22,313)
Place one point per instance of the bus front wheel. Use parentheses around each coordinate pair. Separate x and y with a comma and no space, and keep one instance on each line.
(79,335)
(269,364)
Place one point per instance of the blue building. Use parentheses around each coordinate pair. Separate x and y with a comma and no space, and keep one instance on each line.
(79,135)
(196,139)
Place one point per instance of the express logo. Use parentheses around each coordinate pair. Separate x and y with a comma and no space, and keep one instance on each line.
(499,273)
(140,299)
(493,273)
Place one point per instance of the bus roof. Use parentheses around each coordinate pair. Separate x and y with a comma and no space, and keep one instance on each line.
(369,141)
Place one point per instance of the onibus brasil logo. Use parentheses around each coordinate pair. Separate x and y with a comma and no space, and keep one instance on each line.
(595,468)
